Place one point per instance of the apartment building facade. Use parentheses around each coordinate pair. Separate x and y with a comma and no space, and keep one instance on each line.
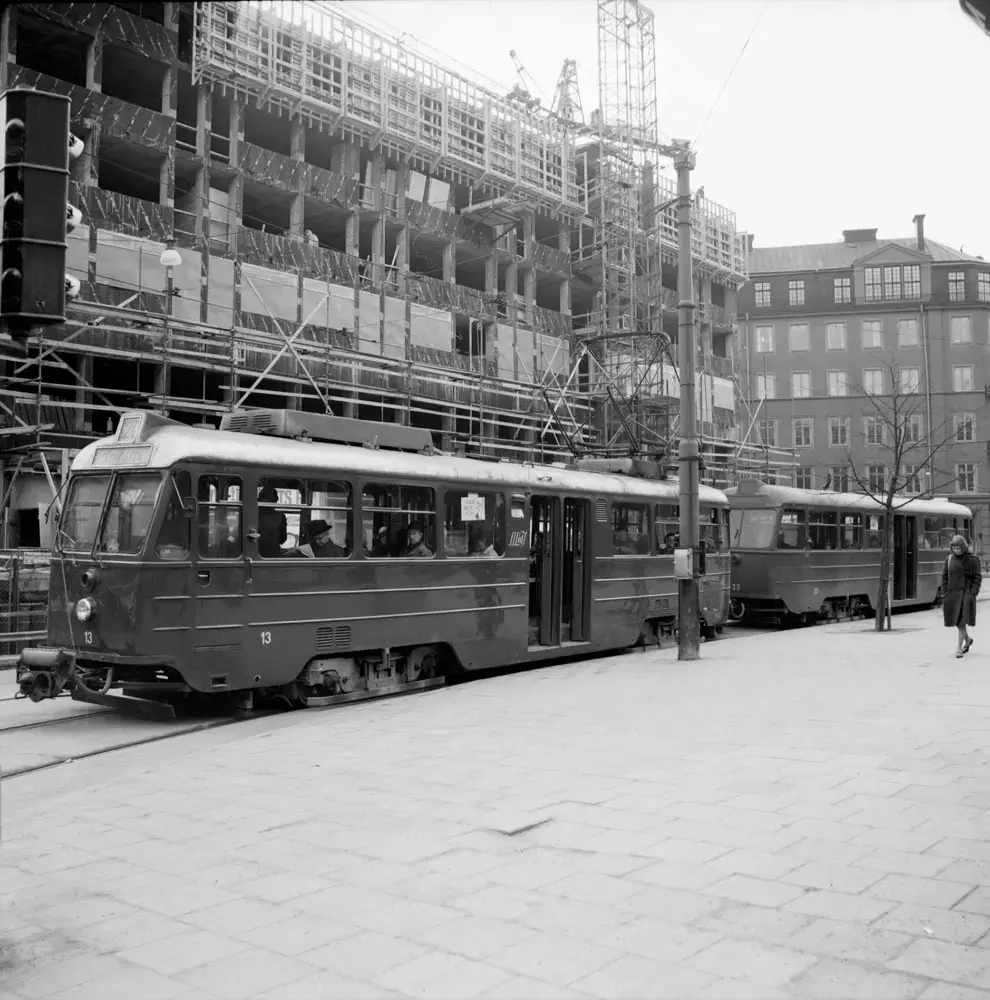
(833,336)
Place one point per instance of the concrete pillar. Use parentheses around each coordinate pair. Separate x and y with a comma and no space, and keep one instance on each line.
(235,198)
(204,126)
(297,150)
(564,245)
(94,63)
(83,418)
(166,172)
(450,262)
(8,43)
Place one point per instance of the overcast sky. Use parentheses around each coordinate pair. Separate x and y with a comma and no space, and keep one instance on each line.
(841,114)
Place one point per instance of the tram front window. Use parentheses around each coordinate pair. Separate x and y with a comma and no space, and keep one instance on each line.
(81,518)
(130,513)
(753,529)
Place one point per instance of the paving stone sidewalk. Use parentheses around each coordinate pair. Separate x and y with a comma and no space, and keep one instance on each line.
(801,814)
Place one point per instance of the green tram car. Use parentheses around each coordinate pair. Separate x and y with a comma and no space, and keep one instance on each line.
(803,555)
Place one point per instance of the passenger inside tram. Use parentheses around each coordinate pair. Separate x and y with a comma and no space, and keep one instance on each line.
(415,547)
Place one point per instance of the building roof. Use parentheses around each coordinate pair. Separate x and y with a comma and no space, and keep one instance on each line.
(836,256)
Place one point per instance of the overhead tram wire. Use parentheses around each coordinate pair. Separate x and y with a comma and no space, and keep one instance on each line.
(718,96)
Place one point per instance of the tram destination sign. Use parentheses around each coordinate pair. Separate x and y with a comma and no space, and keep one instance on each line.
(115,458)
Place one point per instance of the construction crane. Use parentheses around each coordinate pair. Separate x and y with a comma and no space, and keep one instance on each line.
(522,93)
(567,98)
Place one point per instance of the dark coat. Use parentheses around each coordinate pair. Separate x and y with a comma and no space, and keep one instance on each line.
(961,579)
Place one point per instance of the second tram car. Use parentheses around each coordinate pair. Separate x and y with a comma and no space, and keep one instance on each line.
(803,555)
(262,558)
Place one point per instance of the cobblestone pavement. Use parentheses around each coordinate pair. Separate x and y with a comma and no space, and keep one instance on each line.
(802,814)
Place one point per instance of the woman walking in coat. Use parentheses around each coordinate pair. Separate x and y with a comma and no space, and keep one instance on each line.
(961,579)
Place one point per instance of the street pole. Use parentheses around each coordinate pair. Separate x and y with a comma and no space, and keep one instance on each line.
(688,604)
(166,342)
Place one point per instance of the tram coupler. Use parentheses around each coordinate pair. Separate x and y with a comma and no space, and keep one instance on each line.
(44,673)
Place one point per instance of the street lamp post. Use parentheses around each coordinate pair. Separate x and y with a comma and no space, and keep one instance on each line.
(170,260)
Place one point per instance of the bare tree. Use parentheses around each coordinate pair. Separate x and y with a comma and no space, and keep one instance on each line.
(910,448)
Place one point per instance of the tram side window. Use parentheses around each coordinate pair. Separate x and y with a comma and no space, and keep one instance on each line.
(823,530)
(792,529)
(398,521)
(220,517)
(175,535)
(851,531)
(874,531)
(938,532)
(304,519)
(667,527)
(630,529)
(130,514)
(474,525)
(713,538)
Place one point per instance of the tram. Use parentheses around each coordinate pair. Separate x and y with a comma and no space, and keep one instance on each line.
(278,557)
(803,555)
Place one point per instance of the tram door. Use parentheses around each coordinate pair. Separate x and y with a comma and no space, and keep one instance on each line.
(221,580)
(576,589)
(905,557)
(544,571)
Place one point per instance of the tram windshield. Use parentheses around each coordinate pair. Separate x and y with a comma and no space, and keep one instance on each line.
(752,529)
(130,513)
(81,518)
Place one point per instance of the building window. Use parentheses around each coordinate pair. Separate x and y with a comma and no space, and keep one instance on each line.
(892,283)
(872,334)
(983,286)
(873,381)
(964,425)
(874,287)
(966,477)
(764,340)
(838,432)
(839,476)
(838,383)
(960,331)
(957,286)
(766,386)
(835,336)
(804,477)
(768,433)
(875,478)
(912,478)
(802,432)
(913,429)
(841,290)
(912,281)
(798,337)
(801,385)
(962,378)
(795,293)
(907,333)
(908,380)
(873,430)
(762,294)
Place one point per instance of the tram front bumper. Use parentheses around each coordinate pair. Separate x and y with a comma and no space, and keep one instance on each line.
(45,673)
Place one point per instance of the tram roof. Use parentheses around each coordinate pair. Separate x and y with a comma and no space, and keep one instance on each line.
(780,496)
(150,441)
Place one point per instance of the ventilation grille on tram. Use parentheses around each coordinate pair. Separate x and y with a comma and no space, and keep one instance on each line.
(601,509)
(658,605)
(333,636)
(249,422)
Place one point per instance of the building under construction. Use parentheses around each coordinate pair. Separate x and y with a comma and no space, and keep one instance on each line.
(358,228)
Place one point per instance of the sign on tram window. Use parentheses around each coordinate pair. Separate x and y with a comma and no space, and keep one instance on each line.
(874,531)
(220,517)
(398,521)
(517,506)
(479,534)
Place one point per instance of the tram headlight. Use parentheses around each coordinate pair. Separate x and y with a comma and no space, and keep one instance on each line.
(85,609)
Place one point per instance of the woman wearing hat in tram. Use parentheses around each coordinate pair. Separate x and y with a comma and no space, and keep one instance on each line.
(961,579)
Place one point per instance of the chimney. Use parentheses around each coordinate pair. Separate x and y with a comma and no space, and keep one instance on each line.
(859,236)
(919,221)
